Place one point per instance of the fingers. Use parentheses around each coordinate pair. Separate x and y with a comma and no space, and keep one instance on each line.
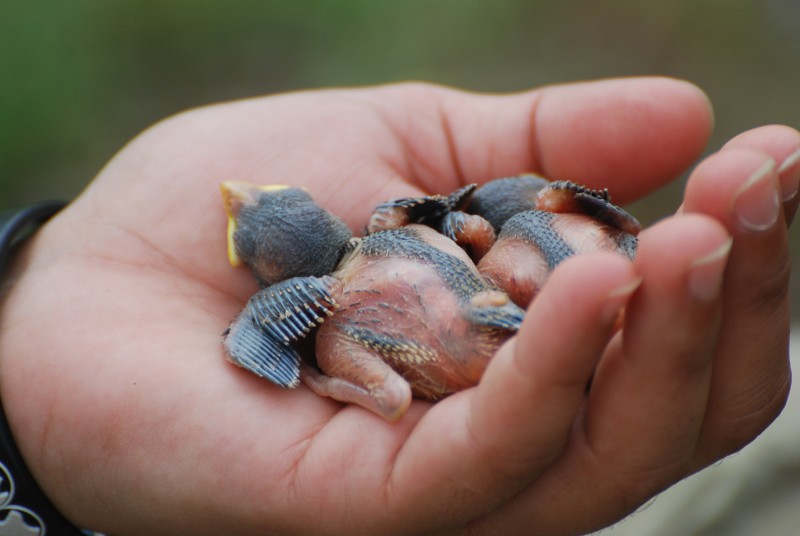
(648,397)
(742,186)
(477,447)
(629,135)
(782,143)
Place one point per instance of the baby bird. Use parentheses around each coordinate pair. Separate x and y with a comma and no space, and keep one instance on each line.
(539,224)
(408,313)
(518,229)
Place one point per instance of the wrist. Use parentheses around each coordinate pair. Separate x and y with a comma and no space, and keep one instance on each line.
(24,508)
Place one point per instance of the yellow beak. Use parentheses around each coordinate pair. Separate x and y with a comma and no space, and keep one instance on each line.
(234,195)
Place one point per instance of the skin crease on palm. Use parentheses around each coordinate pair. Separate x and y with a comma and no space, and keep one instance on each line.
(112,370)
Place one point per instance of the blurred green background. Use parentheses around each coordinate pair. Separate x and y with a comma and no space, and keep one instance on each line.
(80,78)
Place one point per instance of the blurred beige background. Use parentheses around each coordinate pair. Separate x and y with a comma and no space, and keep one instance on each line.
(78,79)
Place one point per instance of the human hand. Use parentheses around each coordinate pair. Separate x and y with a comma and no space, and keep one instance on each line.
(111,367)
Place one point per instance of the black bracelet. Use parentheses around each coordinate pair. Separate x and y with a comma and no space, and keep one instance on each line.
(24,508)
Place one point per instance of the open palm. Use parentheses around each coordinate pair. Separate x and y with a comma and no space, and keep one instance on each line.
(113,373)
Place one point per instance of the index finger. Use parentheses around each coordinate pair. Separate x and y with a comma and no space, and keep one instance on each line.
(628,135)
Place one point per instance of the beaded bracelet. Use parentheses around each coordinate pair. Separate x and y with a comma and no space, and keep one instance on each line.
(24,508)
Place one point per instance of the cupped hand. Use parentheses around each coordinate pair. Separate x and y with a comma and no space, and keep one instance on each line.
(112,371)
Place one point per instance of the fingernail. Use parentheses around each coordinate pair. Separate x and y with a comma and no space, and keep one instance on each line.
(756,203)
(705,272)
(789,174)
(618,297)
